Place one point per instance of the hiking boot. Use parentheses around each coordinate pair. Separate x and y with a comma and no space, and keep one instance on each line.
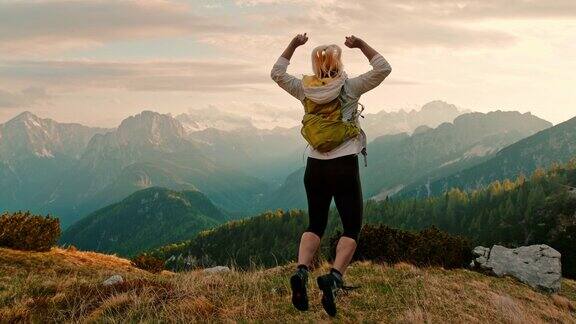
(298,282)
(330,284)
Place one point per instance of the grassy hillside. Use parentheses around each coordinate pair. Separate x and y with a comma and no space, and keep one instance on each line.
(146,219)
(63,285)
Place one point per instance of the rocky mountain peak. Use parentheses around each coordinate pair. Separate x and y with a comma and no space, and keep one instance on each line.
(28,121)
(26,115)
(150,127)
(439,106)
(28,134)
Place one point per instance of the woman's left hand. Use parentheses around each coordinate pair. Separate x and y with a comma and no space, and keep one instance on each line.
(299,40)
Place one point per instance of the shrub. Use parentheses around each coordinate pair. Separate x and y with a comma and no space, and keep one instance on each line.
(429,247)
(432,246)
(148,263)
(24,231)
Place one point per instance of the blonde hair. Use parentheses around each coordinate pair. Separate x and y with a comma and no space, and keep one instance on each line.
(326,61)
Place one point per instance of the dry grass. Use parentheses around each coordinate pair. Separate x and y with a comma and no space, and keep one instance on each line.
(65,286)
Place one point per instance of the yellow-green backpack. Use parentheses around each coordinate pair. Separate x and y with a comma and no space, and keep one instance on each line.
(323,127)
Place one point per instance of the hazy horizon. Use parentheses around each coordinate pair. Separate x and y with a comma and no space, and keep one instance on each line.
(262,122)
(111,59)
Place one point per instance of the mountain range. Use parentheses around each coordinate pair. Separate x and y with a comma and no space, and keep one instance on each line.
(272,154)
(552,145)
(71,170)
(147,149)
(155,180)
(377,124)
(399,160)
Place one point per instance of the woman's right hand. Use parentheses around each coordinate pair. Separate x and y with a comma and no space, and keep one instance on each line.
(299,40)
(353,41)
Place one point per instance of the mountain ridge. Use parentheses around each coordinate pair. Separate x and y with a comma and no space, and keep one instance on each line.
(554,144)
(146,219)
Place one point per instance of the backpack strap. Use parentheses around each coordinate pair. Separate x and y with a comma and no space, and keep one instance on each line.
(305,149)
(358,113)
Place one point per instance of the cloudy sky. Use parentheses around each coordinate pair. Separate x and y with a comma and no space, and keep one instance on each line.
(98,61)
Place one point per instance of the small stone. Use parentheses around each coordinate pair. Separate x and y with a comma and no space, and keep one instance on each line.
(216,269)
(481,251)
(115,279)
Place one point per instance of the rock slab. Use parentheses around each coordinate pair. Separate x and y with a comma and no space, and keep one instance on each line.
(536,265)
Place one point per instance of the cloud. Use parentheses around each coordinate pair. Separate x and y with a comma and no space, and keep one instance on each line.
(50,26)
(155,76)
(274,112)
(55,25)
(266,2)
(391,26)
(138,76)
(23,98)
(395,25)
(490,9)
(38,27)
(442,9)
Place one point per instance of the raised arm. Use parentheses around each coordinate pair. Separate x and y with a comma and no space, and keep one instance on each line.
(286,81)
(298,40)
(371,79)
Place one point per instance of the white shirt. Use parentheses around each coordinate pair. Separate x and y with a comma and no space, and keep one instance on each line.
(354,88)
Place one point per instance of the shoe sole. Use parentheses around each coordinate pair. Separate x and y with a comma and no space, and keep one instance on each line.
(299,295)
(327,296)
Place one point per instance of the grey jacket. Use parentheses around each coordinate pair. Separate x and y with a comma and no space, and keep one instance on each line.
(353,88)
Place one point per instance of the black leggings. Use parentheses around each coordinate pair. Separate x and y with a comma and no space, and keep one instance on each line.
(338,178)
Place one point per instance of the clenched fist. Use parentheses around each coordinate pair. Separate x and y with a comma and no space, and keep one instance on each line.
(299,40)
(353,42)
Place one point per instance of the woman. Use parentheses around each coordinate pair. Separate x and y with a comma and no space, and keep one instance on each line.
(332,174)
